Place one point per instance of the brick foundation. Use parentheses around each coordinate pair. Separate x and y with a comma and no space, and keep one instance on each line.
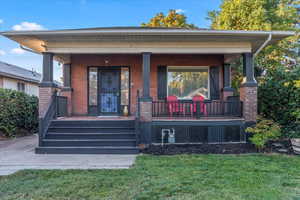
(146,111)
(45,95)
(249,97)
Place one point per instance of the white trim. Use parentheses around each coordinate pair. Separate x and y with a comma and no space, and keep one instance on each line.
(190,67)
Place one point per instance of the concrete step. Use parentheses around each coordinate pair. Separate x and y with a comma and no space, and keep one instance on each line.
(88,142)
(87,150)
(93,123)
(72,129)
(121,135)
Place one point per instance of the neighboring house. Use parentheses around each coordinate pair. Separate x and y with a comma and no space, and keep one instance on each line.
(20,79)
(104,68)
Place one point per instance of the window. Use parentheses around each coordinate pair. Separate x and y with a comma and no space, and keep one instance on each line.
(186,82)
(21,87)
(124,86)
(93,86)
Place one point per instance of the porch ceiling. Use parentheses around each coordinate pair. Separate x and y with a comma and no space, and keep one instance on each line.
(138,39)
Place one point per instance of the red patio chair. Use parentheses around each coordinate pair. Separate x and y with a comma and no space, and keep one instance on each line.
(174,105)
(198,99)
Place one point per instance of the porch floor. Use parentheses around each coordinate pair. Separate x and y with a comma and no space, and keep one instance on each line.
(109,118)
(79,118)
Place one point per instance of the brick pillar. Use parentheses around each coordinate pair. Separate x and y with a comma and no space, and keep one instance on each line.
(45,95)
(146,104)
(67,89)
(248,96)
(248,90)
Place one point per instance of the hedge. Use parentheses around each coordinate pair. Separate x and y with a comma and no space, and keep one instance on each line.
(18,112)
(279,99)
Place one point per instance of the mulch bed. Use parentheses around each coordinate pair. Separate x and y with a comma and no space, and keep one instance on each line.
(173,149)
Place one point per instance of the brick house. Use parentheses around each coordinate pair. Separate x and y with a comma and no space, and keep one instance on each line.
(128,87)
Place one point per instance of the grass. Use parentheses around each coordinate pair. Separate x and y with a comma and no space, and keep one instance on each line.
(212,177)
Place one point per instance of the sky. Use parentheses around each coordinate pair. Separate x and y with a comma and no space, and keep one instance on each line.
(68,14)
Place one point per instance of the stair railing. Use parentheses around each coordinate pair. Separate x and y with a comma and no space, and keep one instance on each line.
(137,118)
(45,119)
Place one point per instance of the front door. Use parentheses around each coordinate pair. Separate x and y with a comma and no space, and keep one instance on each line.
(109,92)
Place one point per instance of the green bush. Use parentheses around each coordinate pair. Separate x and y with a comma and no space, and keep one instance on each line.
(264,131)
(18,112)
(279,98)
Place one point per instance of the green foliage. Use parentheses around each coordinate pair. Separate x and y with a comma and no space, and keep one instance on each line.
(264,131)
(172,19)
(180,177)
(264,15)
(19,111)
(279,98)
(255,15)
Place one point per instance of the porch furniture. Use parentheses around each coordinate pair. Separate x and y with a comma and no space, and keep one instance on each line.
(198,105)
(174,106)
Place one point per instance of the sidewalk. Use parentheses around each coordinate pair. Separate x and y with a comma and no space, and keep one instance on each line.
(18,154)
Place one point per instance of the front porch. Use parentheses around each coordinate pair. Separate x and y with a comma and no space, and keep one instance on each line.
(127,88)
(117,103)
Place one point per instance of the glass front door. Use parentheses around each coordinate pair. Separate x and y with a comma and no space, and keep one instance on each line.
(109,92)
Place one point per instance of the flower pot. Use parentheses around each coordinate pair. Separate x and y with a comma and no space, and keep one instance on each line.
(296,145)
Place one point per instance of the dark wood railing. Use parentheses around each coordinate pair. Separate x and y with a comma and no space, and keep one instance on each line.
(137,118)
(62,106)
(189,109)
(57,107)
(49,114)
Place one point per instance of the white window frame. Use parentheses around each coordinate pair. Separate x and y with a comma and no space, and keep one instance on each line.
(190,67)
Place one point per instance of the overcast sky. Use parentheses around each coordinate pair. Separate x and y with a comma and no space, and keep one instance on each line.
(62,14)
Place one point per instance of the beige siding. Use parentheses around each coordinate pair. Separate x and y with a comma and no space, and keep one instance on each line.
(31,89)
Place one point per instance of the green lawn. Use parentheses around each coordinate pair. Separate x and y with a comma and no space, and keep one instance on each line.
(210,177)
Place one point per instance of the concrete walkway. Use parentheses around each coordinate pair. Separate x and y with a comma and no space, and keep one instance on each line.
(18,154)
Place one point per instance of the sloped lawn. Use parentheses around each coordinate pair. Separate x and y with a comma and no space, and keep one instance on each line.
(212,177)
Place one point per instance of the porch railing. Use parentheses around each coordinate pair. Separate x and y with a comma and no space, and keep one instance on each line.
(189,109)
(49,114)
(62,106)
(57,107)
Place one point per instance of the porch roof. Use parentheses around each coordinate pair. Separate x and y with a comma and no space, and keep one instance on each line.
(144,39)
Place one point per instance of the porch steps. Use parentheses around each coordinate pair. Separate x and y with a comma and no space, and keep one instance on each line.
(90,137)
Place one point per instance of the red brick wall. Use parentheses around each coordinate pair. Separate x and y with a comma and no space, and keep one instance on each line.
(81,62)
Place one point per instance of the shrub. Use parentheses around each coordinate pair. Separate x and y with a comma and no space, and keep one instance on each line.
(19,111)
(264,131)
(279,98)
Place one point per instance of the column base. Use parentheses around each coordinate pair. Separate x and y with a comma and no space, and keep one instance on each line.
(45,96)
(248,95)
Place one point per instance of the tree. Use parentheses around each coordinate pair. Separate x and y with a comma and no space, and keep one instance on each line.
(172,19)
(278,91)
(264,15)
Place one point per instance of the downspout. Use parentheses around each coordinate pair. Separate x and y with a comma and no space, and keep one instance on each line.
(263,45)
(29,50)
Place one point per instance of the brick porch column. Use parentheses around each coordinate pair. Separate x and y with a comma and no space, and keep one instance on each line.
(47,86)
(146,103)
(67,89)
(227,90)
(248,90)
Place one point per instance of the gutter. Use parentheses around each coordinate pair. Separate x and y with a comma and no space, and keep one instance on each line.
(263,45)
(29,50)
